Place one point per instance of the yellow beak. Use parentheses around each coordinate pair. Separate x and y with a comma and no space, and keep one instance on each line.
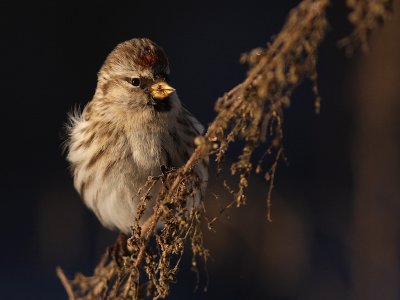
(161,90)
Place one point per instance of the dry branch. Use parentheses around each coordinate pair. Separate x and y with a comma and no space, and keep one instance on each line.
(365,15)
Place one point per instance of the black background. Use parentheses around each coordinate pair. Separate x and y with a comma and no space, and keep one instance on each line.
(51,54)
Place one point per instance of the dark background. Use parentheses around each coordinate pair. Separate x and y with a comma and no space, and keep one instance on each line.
(51,54)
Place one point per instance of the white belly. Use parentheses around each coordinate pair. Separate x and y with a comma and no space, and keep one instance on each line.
(114,199)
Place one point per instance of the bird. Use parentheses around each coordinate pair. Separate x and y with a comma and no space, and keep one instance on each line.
(134,125)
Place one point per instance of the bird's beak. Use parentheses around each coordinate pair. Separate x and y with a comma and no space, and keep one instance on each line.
(161,90)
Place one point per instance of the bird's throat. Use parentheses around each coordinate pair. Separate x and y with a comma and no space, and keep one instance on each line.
(163,105)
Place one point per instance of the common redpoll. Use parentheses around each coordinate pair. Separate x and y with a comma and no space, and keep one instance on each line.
(134,125)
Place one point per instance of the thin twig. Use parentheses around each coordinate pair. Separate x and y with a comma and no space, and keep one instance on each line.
(65,283)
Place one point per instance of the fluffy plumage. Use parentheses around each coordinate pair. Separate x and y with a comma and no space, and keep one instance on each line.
(126,134)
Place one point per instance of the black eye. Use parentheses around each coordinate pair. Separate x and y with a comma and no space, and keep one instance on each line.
(135,81)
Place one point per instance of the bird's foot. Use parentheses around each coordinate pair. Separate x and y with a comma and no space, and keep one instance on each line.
(119,249)
(165,171)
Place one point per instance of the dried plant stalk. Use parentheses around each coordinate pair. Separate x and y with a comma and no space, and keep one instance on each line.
(145,265)
(365,15)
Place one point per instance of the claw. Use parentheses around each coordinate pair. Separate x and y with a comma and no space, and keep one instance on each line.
(164,173)
(119,249)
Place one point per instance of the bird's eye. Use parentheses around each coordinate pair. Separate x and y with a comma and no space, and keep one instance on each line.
(135,81)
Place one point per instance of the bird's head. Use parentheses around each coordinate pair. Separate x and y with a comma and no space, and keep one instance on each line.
(135,76)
